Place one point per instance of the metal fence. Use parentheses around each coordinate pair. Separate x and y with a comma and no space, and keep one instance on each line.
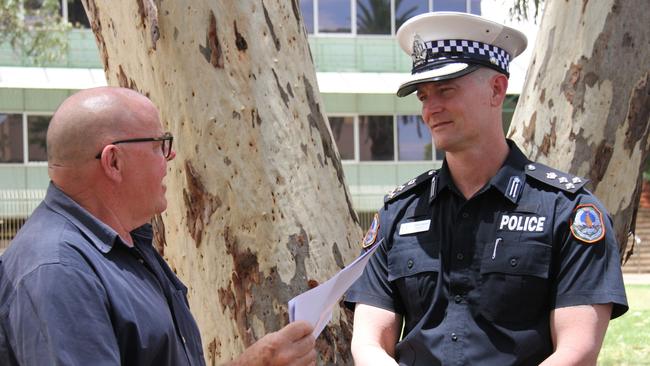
(365,219)
(15,207)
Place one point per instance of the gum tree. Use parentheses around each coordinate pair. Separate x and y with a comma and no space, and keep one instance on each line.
(585,107)
(258,207)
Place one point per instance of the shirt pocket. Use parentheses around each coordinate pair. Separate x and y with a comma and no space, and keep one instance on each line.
(514,281)
(414,271)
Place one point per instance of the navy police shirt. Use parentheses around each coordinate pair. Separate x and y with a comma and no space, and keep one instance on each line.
(476,279)
(72,293)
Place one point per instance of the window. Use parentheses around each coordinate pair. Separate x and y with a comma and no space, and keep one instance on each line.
(376,138)
(343,131)
(384,138)
(11,138)
(413,139)
(381,17)
(76,14)
(373,17)
(72,10)
(38,12)
(450,5)
(334,16)
(406,9)
(475,7)
(307,10)
(36,131)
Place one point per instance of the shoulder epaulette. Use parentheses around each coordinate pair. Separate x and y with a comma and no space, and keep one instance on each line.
(555,178)
(403,188)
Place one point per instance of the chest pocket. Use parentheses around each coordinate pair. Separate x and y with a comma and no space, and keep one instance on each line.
(414,268)
(515,285)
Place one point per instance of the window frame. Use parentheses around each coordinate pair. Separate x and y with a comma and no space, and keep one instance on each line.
(357,147)
(25,139)
(397,151)
(355,132)
(26,115)
(65,13)
(353,20)
(23,127)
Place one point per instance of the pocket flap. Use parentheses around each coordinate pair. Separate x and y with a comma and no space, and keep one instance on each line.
(527,258)
(410,261)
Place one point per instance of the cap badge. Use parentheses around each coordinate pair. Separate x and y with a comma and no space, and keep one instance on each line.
(419,54)
(587,224)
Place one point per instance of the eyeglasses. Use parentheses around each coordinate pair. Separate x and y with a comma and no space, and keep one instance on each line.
(166,144)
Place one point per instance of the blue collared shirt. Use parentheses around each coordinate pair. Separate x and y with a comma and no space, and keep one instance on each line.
(72,292)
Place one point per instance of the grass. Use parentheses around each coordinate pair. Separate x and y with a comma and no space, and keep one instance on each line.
(627,342)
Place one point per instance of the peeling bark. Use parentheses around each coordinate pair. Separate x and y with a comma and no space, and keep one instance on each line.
(240,41)
(599,127)
(212,50)
(258,210)
(199,202)
(269,24)
(159,239)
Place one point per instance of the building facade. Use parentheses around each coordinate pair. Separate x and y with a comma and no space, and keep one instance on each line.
(381,138)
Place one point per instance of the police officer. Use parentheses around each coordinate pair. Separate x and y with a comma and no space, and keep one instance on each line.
(492,259)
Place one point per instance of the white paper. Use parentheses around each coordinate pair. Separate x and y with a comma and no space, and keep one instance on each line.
(315,305)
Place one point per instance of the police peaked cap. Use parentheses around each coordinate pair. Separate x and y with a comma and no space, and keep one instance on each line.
(447,45)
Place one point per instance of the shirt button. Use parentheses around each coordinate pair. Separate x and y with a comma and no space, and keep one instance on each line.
(454,337)
(458,299)
(465,215)
(513,262)
(141,260)
(460,256)
(409,264)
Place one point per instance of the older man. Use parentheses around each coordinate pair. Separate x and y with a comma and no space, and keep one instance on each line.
(492,259)
(81,283)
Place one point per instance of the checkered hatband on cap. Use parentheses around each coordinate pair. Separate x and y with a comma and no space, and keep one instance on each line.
(432,54)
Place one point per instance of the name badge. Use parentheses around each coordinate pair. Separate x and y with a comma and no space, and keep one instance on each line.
(414,227)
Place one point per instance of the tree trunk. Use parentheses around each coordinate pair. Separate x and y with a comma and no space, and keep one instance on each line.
(258,207)
(585,107)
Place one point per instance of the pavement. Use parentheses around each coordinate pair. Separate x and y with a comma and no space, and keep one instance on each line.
(636,278)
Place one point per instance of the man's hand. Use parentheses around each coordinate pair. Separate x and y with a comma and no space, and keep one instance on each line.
(292,345)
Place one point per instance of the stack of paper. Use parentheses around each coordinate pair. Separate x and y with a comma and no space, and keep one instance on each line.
(315,306)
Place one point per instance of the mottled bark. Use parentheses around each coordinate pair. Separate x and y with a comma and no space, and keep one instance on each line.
(585,107)
(258,209)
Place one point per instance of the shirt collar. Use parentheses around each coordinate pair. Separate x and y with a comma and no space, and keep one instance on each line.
(102,236)
(440,181)
(509,180)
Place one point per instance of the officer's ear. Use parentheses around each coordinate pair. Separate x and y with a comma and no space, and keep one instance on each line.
(499,87)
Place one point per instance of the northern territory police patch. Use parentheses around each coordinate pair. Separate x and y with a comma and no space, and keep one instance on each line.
(371,235)
(587,224)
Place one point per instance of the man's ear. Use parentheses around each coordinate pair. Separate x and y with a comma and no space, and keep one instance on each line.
(499,84)
(111,163)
